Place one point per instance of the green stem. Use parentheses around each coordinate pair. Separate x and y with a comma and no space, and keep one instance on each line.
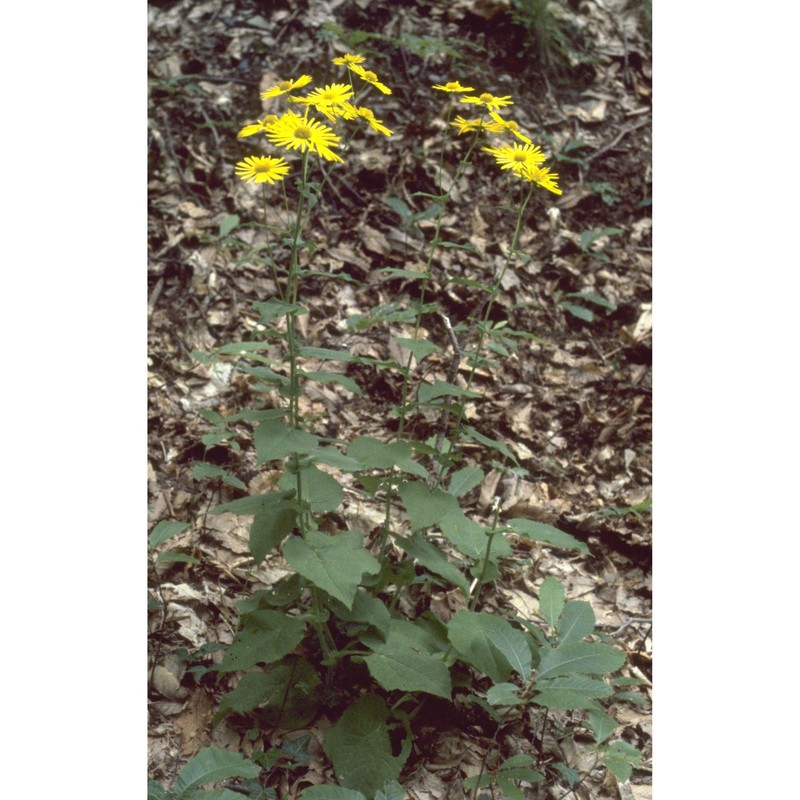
(490,538)
(494,291)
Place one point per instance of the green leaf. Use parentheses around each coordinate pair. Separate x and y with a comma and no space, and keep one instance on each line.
(469,537)
(166,529)
(564,699)
(172,556)
(430,391)
(155,791)
(334,377)
(210,765)
(519,760)
(228,223)
(541,532)
(360,749)
(601,725)
(551,600)
(374,454)
(326,354)
(580,684)
(202,470)
(577,621)
(490,644)
(426,507)
(274,308)
(331,793)
(492,443)
(465,480)
(368,609)
(404,661)
(590,297)
(589,237)
(578,311)
(432,558)
(419,348)
(504,694)
(287,694)
(620,759)
(333,458)
(270,528)
(269,503)
(391,791)
(274,440)
(321,490)
(594,658)
(333,563)
(240,348)
(266,636)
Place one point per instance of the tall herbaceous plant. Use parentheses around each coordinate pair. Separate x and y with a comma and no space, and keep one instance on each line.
(349,634)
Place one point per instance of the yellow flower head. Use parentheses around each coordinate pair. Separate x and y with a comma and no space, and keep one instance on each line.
(516,157)
(262,125)
(370,77)
(329,100)
(467,125)
(453,86)
(349,59)
(489,101)
(301,133)
(543,177)
(284,87)
(501,125)
(359,112)
(261,169)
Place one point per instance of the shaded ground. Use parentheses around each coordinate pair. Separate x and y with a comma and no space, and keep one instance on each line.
(573,404)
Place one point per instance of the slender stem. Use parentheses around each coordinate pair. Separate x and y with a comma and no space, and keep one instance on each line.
(494,291)
(489,539)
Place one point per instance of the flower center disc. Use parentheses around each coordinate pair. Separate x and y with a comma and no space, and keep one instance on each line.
(302,132)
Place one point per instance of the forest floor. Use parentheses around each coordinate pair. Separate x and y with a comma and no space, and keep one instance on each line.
(572,403)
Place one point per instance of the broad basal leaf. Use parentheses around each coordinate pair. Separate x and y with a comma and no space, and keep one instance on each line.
(432,558)
(320,490)
(375,454)
(577,621)
(331,793)
(464,480)
(404,661)
(266,636)
(426,507)
(333,563)
(274,439)
(286,693)
(551,600)
(541,532)
(490,644)
(210,765)
(594,658)
(360,749)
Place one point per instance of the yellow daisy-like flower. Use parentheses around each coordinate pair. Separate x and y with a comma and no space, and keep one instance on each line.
(489,101)
(284,87)
(262,125)
(543,177)
(453,86)
(300,133)
(516,157)
(370,77)
(328,100)
(349,58)
(467,125)
(501,125)
(261,169)
(356,112)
